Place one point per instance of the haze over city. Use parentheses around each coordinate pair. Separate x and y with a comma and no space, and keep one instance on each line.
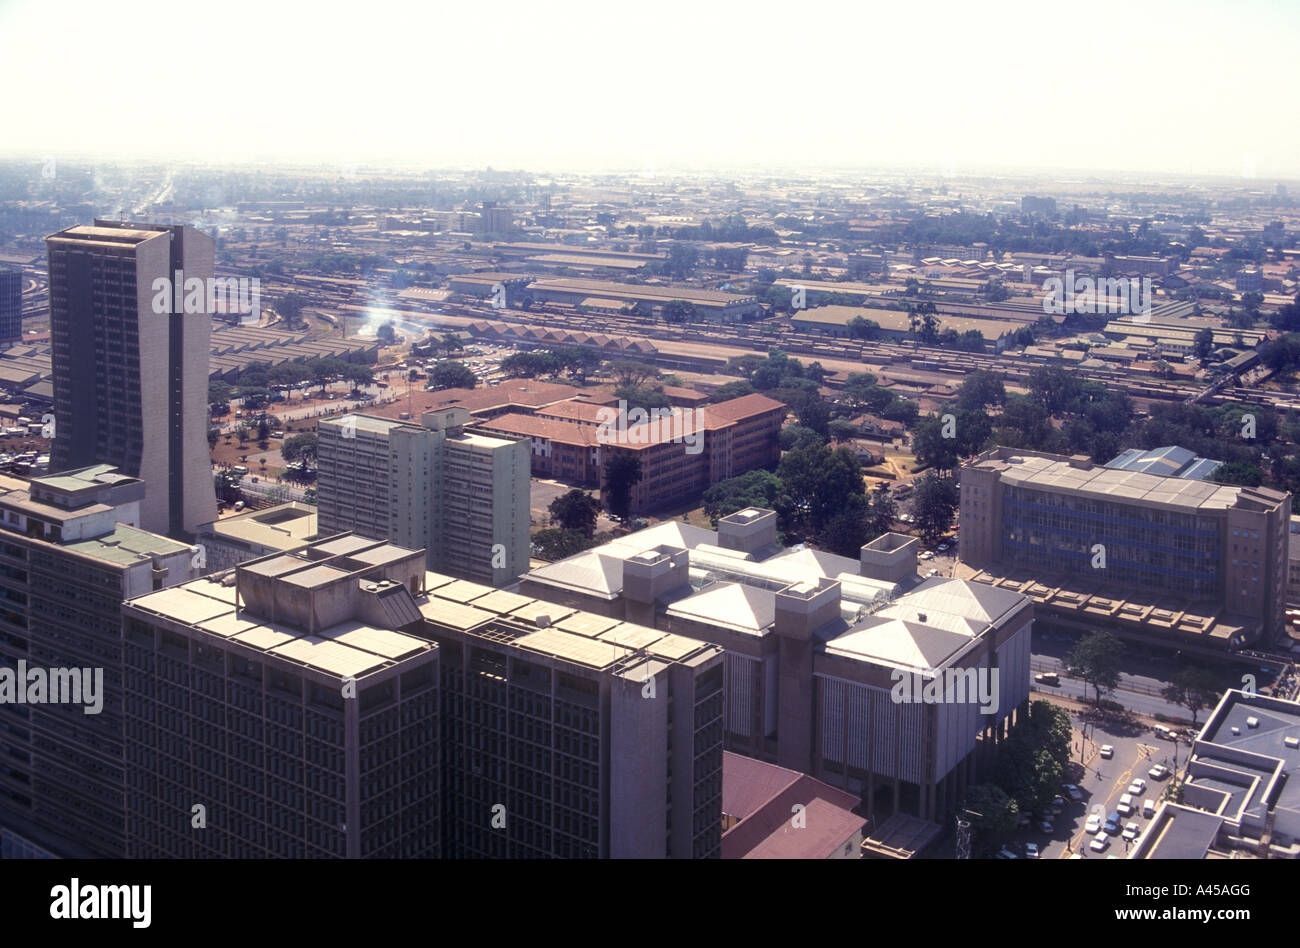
(1173,88)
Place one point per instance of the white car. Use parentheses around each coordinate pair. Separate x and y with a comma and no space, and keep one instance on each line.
(1158,772)
(1031,850)
(1094,824)
(1137,786)
(943,548)
(1099,842)
(1107,751)
(1125,805)
(927,555)
(1148,808)
(1130,831)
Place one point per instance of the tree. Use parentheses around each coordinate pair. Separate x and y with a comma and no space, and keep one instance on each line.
(299,448)
(860,328)
(846,530)
(752,489)
(793,437)
(631,374)
(578,361)
(646,399)
(1203,344)
(577,511)
(290,307)
(883,511)
(219,397)
(678,311)
(818,485)
(1096,659)
(386,334)
(452,375)
(622,473)
(981,389)
(226,482)
(934,505)
(731,390)
(1194,688)
(531,365)
(997,812)
(554,543)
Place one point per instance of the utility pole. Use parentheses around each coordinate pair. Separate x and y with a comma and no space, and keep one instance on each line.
(963,833)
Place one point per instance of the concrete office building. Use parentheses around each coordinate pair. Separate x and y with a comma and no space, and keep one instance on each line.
(815,644)
(70,553)
(458,493)
(131,384)
(1186,562)
(283,699)
(227,542)
(1236,798)
(11,304)
(546,731)
(570,734)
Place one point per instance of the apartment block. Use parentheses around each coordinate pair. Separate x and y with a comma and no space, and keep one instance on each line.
(681,454)
(130,367)
(1168,559)
(459,493)
(70,553)
(278,711)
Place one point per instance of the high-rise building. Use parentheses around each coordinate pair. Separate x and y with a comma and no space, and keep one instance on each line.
(458,493)
(11,304)
(569,734)
(131,366)
(277,711)
(1168,559)
(70,553)
(479,723)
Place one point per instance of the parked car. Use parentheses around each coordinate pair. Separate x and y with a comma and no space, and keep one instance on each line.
(1099,843)
(1112,824)
(1048,678)
(1094,823)
(1072,791)
(1137,786)
(1148,808)
(1031,850)
(1130,831)
(1005,853)
(1047,826)
(1107,751)
(1158,772)
(1125,805)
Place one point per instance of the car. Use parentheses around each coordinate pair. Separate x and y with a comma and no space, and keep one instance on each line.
(1023,820)
(943,548)
(1048,678)
(1137,786)
(1158,772)
(1072,791)
(1099,843)
(1130,831)
(1107,751)
(1148,808)
(1031,850)
(1005,853)
(1057,804)
(1164,733)
(1094,824)
(927,555)
(1112,825)
(1125,804)
(933,572)
(1047,826)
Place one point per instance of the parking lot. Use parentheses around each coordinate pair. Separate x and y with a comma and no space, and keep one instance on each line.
(1102,782)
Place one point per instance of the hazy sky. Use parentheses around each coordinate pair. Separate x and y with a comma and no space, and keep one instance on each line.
(1144,86)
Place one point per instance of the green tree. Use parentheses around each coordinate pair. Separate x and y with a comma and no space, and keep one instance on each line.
(301,447)
(452,375)
(554,543)
(576,510)
(622,473)
(731,390)
(753,489)
(1203,344)
(1096,659)
(1194,688)
(997,813)
(980,389)
(934,505)
(818,485)
(883,511)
